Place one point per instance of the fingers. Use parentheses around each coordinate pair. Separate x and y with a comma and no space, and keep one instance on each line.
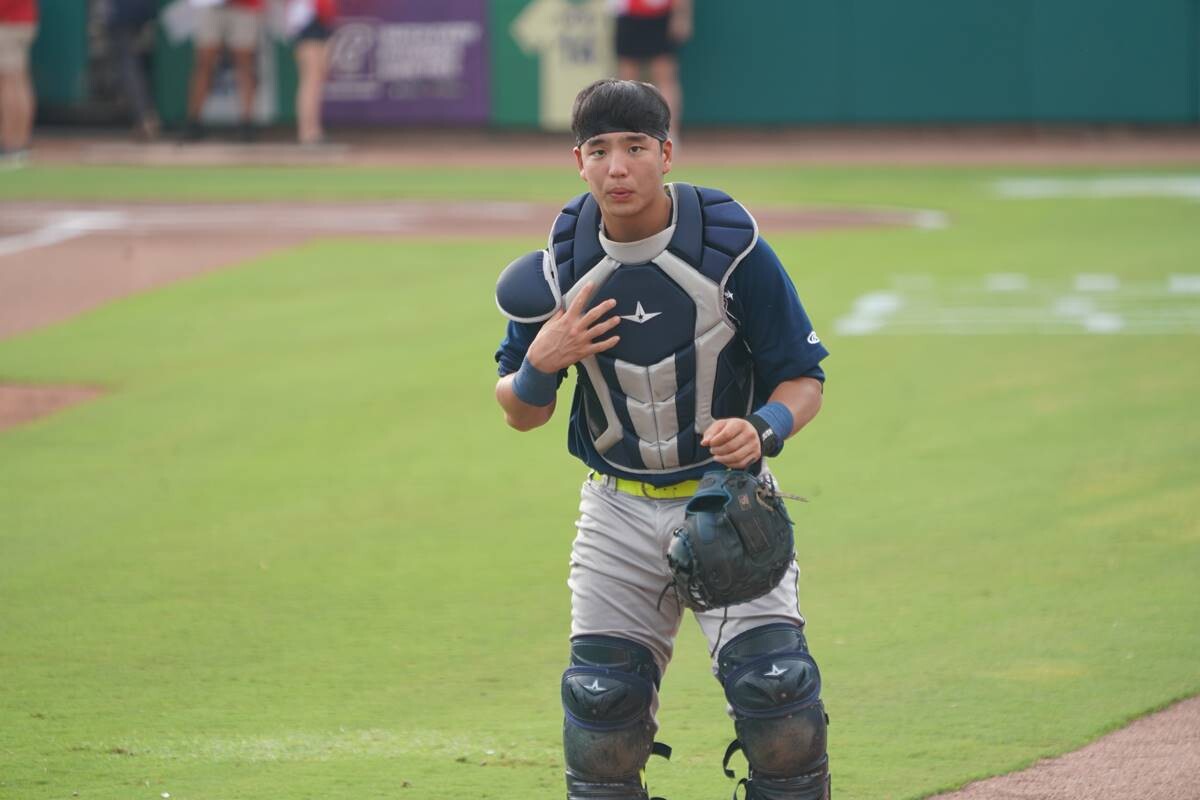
(719,433)
(604,344)
(740,458)
(732,442)
(581,300)
(603,327)
(600,310)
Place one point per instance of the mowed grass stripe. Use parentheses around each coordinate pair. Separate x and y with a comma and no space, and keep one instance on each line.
(294,552)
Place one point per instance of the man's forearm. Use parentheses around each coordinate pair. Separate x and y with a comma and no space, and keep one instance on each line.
(802,396)
(517,413)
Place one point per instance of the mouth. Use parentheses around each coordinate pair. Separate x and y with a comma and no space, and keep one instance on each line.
(620,193)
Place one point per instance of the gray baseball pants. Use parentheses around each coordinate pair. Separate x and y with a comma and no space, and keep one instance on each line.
(619,569)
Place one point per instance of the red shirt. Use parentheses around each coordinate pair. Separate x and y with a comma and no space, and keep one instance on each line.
(327,11)
(644,8)
(19,12)
(249,5)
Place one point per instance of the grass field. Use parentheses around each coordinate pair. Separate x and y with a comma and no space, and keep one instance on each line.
(295,553)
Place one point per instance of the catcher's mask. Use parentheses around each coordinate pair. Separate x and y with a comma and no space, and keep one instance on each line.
(736,542)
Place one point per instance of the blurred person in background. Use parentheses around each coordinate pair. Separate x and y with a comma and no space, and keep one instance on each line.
(18,25)
(131,26)
(648,33)
(235,24)
(310,24)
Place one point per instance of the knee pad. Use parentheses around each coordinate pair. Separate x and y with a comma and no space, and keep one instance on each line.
(774,688)
(608,729)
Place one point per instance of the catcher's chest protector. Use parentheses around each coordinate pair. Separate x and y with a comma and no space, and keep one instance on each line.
(679,364)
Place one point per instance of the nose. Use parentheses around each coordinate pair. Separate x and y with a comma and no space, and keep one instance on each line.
(616,164)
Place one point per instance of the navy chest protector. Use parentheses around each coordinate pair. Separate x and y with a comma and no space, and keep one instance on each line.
(679,364)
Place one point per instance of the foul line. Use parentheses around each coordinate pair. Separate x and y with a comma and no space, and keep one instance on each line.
(64,227)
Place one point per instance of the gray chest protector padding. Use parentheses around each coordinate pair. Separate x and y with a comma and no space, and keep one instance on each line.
(679,364)
(774,688)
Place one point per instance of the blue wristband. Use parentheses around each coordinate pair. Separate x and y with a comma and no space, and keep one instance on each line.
(533,386)
(778,421)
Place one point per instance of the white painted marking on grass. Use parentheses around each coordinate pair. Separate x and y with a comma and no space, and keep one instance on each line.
(1181,186)
(1095,282)
(60,228)
(870,313)
(1006,282)
(1183,284)
(930,220)
(1073,306)
(1103,322)
(1016,304)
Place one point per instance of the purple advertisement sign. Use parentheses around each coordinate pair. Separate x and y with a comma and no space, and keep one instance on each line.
(398,61)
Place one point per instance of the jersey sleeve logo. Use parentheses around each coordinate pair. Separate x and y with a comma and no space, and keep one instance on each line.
(813,338)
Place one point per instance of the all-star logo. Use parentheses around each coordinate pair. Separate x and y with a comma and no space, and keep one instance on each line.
(639,316)
(596,687)
(813,338)
(775,671)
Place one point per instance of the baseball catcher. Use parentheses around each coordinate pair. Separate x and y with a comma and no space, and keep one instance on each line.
(694,362)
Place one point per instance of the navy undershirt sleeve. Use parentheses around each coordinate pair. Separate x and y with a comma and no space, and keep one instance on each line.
(773,322)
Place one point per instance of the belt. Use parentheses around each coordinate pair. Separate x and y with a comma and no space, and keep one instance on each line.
(642,489)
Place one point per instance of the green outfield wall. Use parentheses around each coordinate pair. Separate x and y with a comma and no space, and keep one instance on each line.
(766,62)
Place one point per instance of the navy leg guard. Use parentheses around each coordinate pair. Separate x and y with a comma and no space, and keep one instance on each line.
(608,730)
(774,687)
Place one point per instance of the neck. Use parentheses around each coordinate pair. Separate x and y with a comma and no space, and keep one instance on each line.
(656,218)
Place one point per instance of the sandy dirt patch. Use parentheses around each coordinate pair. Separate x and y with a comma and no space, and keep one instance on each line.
(21,404)
(1155,758)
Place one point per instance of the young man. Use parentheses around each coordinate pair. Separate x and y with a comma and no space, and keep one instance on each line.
(690,344)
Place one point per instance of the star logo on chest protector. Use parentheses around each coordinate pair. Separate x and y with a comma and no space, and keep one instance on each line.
(640,315)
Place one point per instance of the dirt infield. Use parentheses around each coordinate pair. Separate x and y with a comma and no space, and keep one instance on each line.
(1155,758)
(58,260)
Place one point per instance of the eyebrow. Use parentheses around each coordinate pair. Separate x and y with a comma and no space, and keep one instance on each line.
(628,137)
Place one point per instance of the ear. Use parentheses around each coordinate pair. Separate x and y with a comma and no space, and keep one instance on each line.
(667,147)
(579,162)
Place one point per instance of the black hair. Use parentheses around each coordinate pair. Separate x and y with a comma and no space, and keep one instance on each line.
(610,105)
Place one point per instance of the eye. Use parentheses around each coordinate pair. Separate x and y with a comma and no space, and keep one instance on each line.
(637,148)
(596,154)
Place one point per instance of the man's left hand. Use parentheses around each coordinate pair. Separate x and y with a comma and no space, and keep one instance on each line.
(733,442)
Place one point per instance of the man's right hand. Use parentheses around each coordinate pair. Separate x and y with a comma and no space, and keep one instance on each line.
(572,335)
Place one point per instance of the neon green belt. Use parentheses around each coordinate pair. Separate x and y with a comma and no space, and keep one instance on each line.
(642,489)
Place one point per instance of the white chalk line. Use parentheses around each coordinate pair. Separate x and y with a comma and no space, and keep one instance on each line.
(1186,187)
(62,227)
(1013,303)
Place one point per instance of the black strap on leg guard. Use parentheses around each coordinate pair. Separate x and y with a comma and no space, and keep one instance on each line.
(774,687)
(608,730)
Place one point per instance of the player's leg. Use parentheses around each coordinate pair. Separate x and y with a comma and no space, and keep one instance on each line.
(664,73)
(206,49)
(242,38)
(608,694)
(622,638)
(311,61)
(16,90)
(773,688)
